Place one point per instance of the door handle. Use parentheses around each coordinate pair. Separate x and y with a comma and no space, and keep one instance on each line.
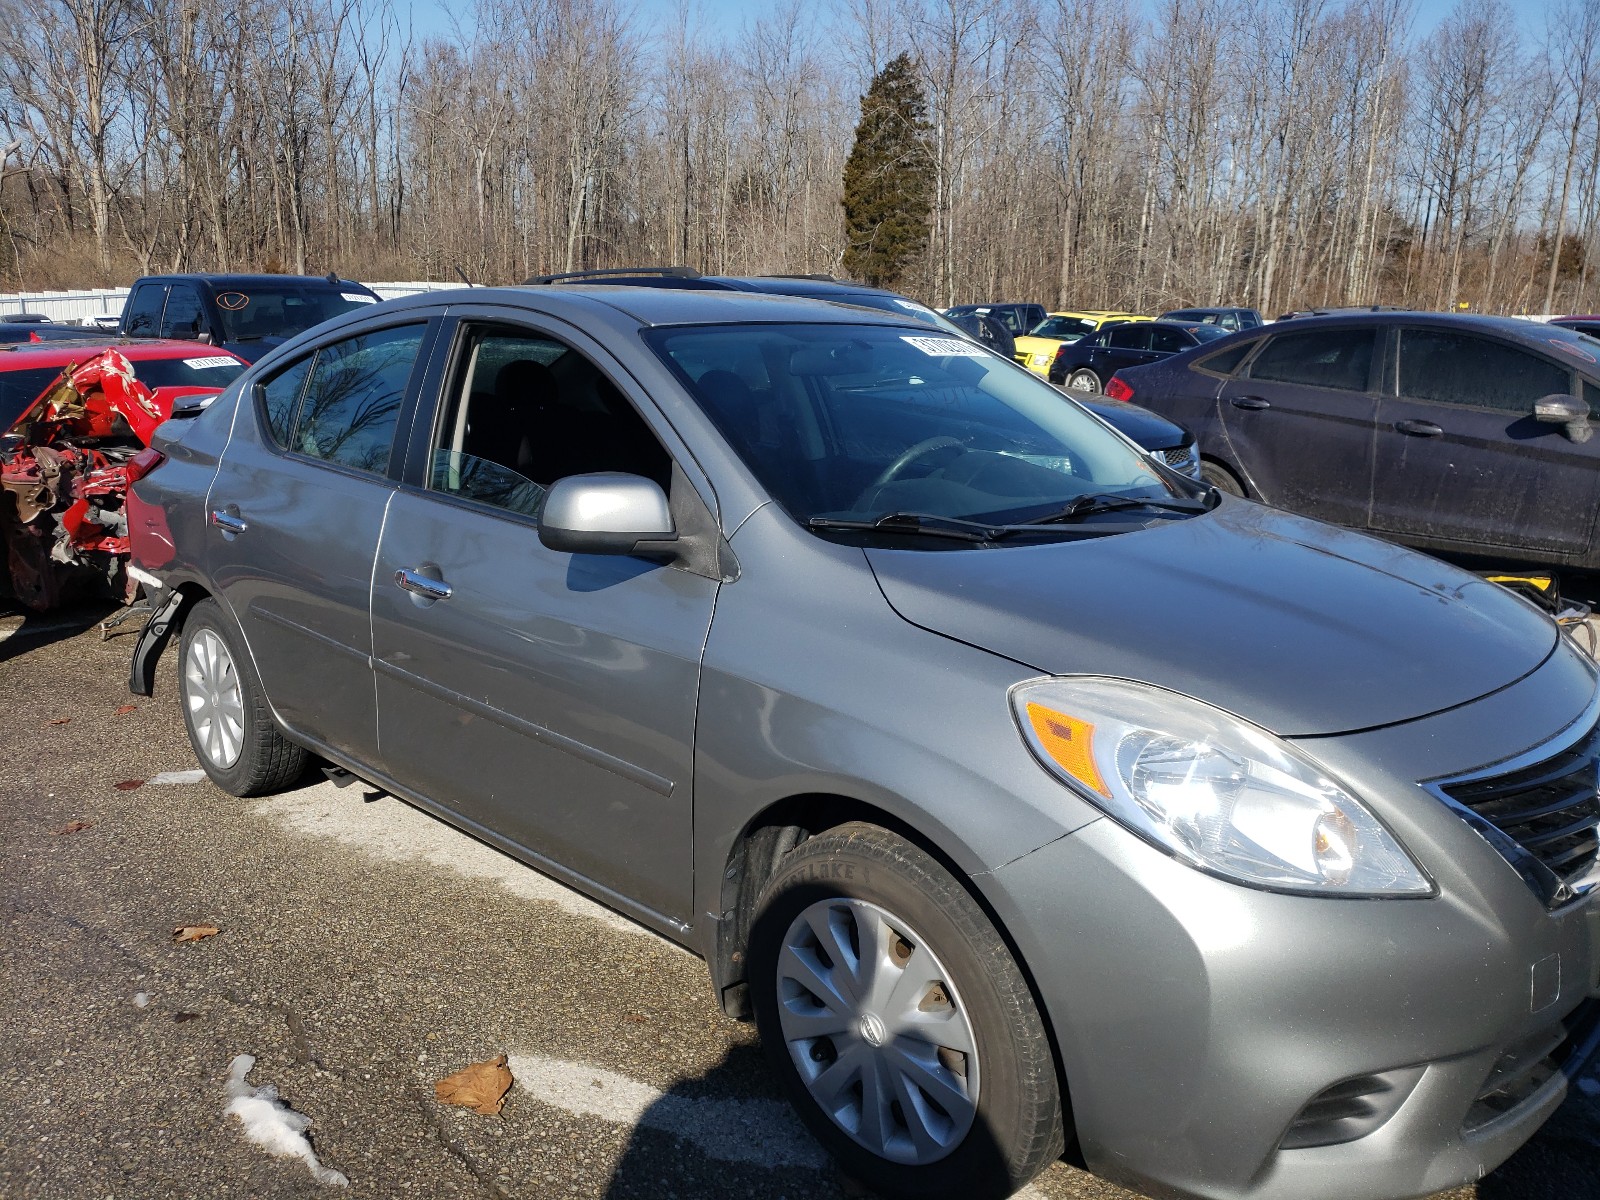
(231,523)
(422,585)
(1419,428)
(1250,402)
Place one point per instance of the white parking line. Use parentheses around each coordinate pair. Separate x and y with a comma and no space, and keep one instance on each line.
(392,831)
(763,1132)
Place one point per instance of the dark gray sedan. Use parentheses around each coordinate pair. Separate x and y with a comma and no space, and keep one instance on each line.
(1028,793)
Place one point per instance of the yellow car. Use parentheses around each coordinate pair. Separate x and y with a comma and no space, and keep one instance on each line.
(1036,349)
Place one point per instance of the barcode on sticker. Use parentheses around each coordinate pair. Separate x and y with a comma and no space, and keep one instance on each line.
(938,347)
(356,298)
(216,360)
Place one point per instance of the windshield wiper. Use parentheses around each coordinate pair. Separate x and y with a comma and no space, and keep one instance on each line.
(928,524)
(1099,502)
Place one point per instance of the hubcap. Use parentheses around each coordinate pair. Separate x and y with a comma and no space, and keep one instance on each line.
(216,705)
(877,1031)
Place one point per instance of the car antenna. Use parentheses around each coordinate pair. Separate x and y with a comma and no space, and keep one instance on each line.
(463,275)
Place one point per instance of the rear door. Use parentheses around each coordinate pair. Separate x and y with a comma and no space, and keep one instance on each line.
(549,698)
(294,514)
(1461,462)
(1299,420)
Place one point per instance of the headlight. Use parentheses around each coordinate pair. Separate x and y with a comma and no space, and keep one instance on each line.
(1215,791)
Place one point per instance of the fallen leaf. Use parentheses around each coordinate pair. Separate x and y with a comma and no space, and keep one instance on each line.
(181,1017)
(127,785)
(126,709)
(193,933)
(635,1019)
(73,827)
(481,1087)
(60,720)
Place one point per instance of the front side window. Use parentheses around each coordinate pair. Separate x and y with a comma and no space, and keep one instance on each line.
(143,317)
(1169,341)
(1130,336)
(1329,358)
(183,317)
(525,410)
(843,422)
(1462,368)
(341,404)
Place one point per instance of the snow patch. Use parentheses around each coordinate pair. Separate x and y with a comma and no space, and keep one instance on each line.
(272,1124)
(393,831)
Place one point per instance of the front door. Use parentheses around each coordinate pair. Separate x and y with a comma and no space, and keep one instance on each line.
(1462,464)
(548,698)
(1299,421)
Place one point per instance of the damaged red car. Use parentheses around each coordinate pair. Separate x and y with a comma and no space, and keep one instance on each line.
(67,459)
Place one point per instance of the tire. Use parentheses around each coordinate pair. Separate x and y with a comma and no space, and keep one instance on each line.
(225,711)
(1219,477)
(1084,381)
(985,1113)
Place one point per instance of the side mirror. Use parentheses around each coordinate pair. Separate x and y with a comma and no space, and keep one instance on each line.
(1565,410)
(206,336)
(607,513)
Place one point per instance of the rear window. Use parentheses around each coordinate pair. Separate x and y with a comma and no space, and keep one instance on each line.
(281,310)
(1226,362)
(202,370)
(18,389)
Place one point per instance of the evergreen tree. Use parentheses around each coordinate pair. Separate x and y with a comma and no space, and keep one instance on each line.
(888,179)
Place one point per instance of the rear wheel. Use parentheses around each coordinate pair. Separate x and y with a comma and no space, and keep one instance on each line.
(902,1028)
(1084,381)
(1219,477)
(225,711)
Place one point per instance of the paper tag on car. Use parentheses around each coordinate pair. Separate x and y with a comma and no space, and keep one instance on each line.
(216,360)
(939,347)
(356,298)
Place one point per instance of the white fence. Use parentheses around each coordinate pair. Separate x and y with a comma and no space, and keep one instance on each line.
(81,308)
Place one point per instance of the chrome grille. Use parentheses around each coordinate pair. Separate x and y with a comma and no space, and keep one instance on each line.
(1542,818)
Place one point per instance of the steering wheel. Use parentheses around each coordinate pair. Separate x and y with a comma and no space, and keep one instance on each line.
(910,455)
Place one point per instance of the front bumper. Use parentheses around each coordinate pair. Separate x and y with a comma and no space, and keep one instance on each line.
(1203,1026)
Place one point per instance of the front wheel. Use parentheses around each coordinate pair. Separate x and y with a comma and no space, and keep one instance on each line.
(901,1027)
(225,711)
(1219,477)
(1084,381)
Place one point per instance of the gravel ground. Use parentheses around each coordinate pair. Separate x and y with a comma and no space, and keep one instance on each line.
(365,952)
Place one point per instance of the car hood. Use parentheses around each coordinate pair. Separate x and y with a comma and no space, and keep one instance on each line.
(1297,626)
(1150,430)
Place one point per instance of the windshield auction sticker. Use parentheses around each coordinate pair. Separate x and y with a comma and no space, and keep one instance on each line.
(216,360)
(356,298)
(938,347)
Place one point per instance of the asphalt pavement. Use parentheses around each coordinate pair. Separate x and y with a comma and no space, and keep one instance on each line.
(364,952)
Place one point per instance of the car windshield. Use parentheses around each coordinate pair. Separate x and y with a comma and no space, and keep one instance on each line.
(281,310)
(1207,333)
(1065,328)
(856,422)
(202,370)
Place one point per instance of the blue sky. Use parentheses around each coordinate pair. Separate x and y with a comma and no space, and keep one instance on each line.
(433,17)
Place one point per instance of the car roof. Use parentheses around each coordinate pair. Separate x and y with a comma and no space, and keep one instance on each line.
(244,281)
(624,308)
(25,356)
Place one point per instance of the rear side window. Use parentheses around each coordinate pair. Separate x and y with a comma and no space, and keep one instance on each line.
(1129,337)
(1330,358)
(281,395)
(18,389)
(1226,362)
(348,412)
(143,315)
(1461,368)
